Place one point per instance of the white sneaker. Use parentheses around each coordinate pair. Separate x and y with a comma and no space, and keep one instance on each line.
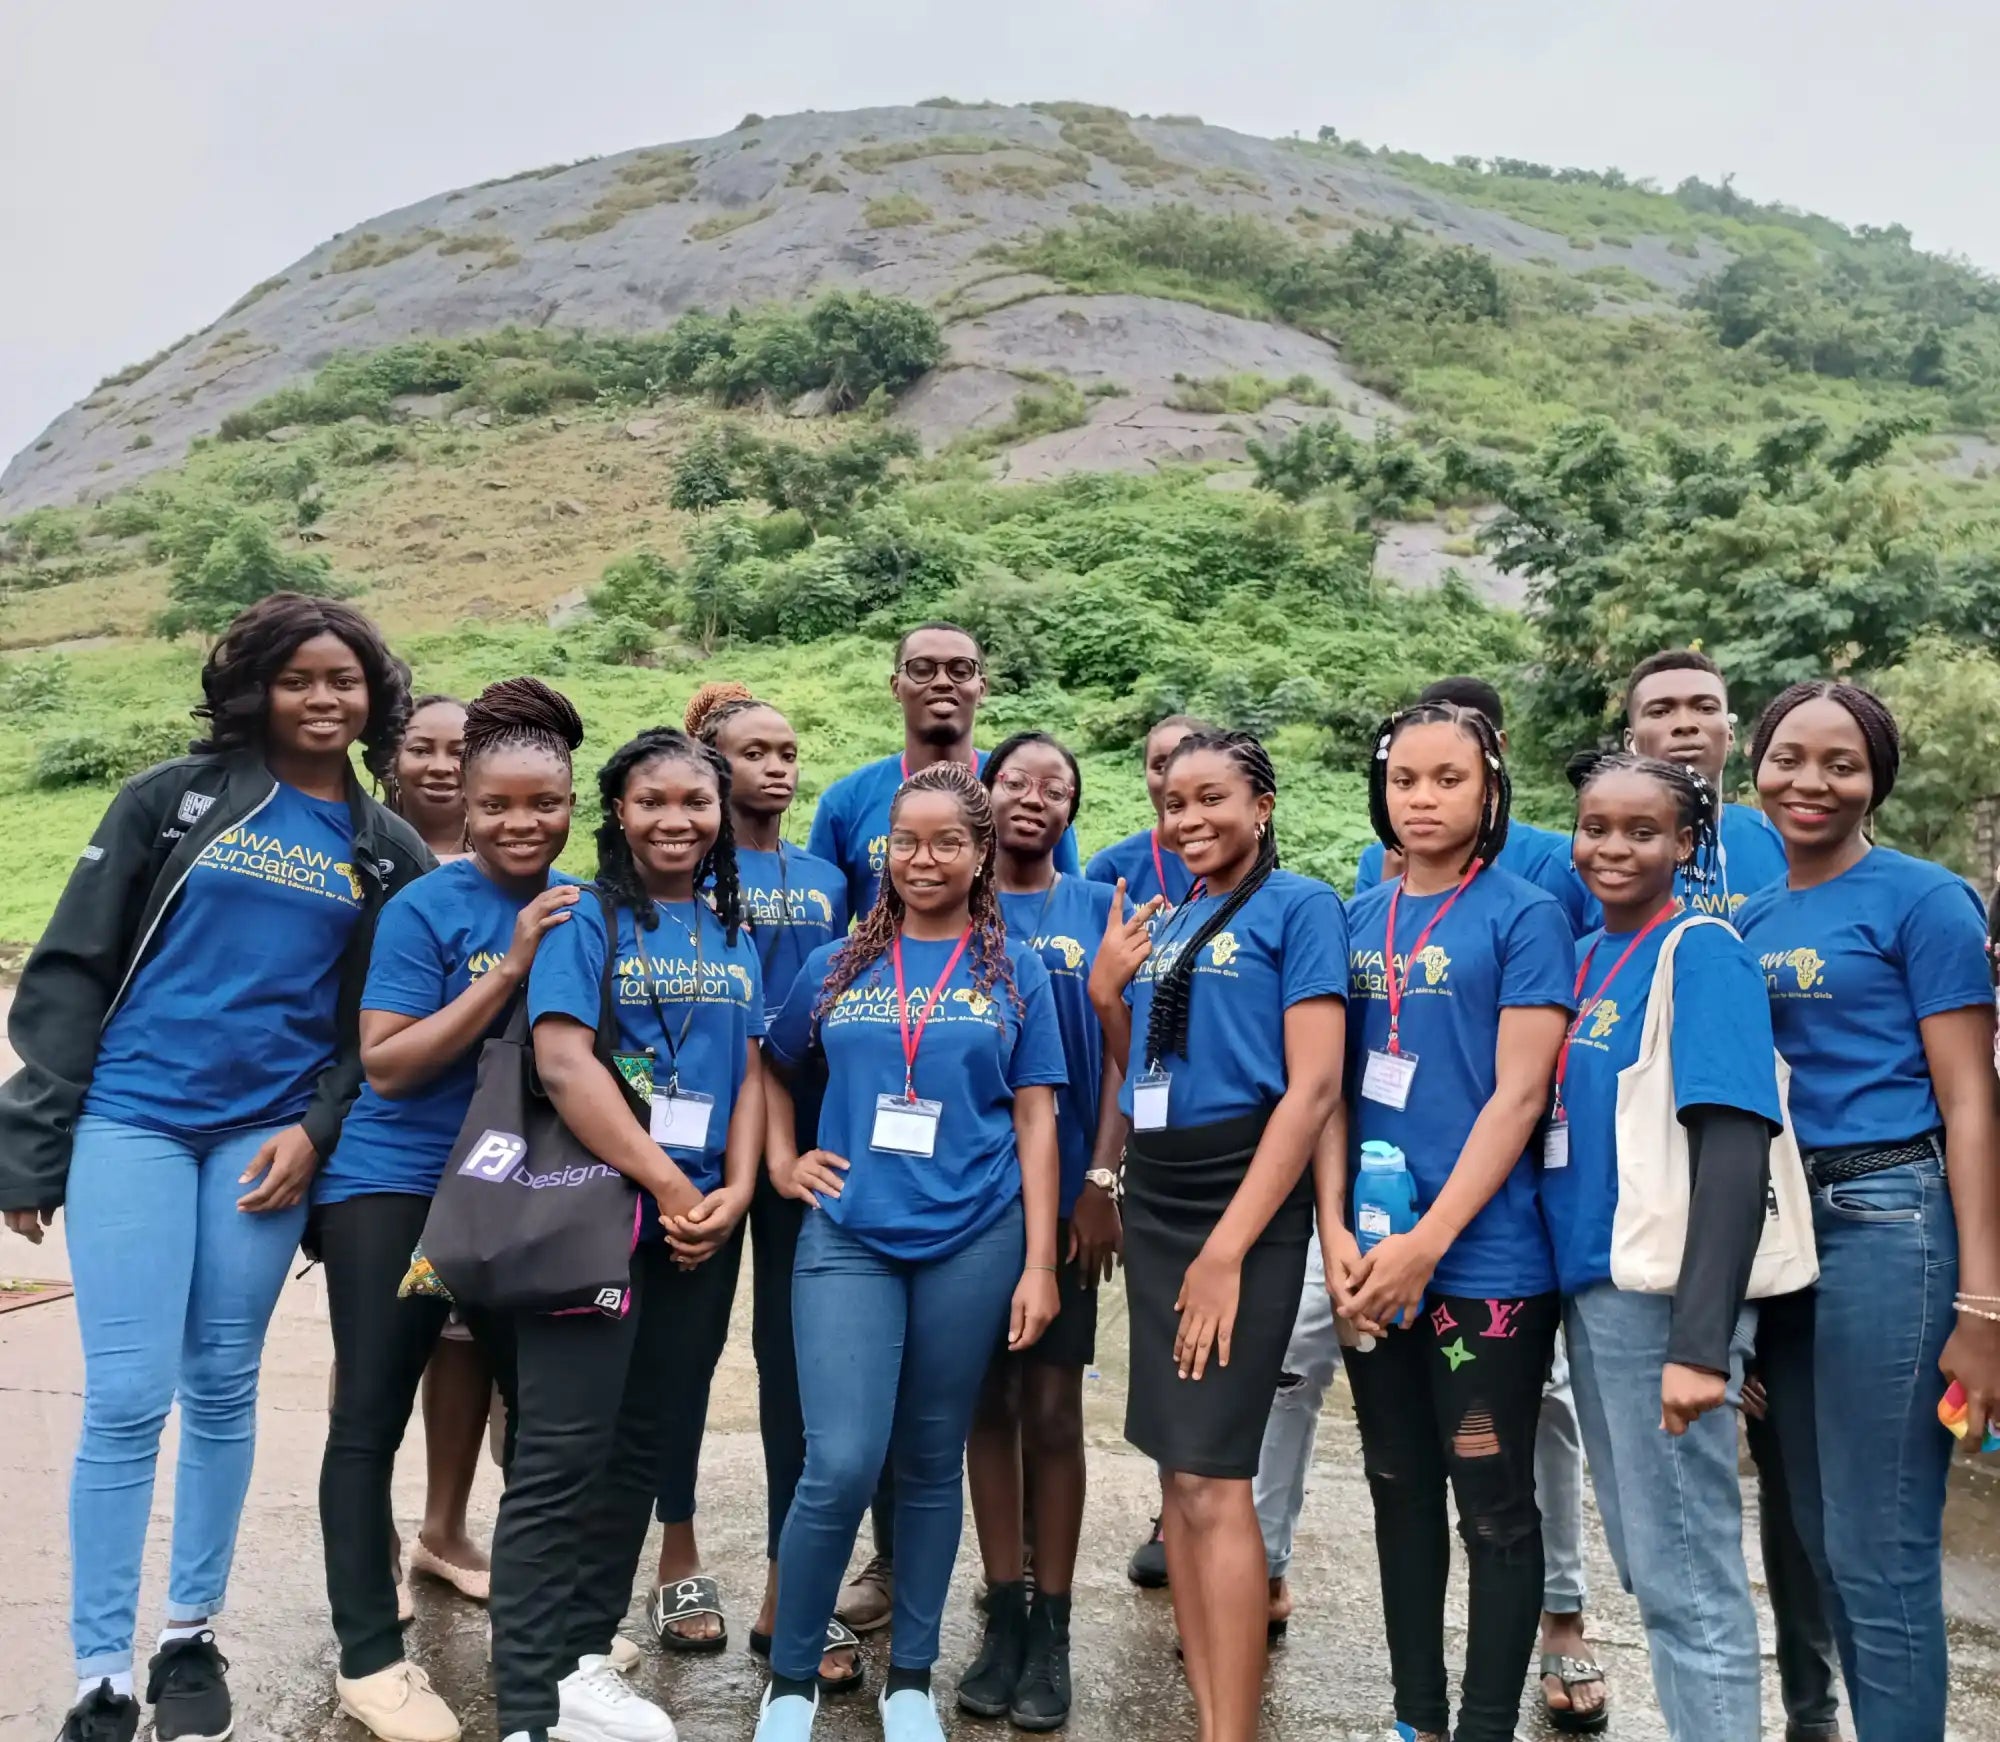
(598,1705)
(397,1705)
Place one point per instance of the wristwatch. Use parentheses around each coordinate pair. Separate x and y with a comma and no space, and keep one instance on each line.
(1113,1185)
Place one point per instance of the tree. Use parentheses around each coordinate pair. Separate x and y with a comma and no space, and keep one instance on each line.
(703,476)
(826,485)
(232,571)
(1946,804)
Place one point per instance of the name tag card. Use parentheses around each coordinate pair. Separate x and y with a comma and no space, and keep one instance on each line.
(1386,1078)
(1150,1094)
(905,1127)
(680,1121)
(1555,1146)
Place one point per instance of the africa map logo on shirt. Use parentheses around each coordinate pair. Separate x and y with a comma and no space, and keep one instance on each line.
(677,978)
(787,906)
(1603,1019)
(1222,952)
(977,1000)
(247,853)
(1367,971)
(1807,969)
(876,1002)
(1222,948)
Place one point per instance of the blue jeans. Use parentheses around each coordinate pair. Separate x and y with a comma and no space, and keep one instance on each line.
(174,1290)
(1852,1370)
(1672,1510)
(891,1357)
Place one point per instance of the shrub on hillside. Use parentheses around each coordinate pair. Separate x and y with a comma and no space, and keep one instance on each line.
(639,586)
(241,564)
(703,476)
(39,535)
(35,686)
(107,753)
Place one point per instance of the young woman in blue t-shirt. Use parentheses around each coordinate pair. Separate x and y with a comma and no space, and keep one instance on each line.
(1459,991)
(930,1233)
(793,902)
(451,955)
(1653,1372)
(605,1407)
(1025,1460)
(1147,864)
(1226,1019)
(189,1049)
(1882,1005)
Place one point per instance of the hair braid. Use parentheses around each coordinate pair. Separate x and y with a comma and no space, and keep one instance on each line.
(1697,804)
(714,705)
(1879,732)
(521,713)
(876,933)
(1166,1025)
(618,872)
(1499,795)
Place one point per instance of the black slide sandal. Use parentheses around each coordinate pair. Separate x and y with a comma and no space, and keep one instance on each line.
(839,1637)
(684,1600)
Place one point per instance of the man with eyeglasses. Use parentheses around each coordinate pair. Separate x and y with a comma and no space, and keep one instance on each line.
(940,680)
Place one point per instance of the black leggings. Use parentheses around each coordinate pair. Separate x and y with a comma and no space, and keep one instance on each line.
(699,1302)
(1457,1396)
(380,1347)
(774,1243)
(589,1417)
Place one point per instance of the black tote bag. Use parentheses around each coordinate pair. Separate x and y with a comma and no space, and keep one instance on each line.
(525,1218)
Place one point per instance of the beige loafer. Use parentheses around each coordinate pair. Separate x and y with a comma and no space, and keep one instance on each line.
(397,1705)
(473,1583)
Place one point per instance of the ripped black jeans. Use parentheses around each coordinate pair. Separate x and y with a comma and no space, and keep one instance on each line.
(1457,1396)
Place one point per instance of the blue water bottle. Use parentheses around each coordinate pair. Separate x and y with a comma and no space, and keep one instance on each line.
(1385,1199)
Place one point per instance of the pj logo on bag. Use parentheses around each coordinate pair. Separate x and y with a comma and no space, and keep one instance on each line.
(494,1156)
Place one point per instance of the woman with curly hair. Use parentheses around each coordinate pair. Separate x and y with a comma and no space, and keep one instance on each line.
(930,1231)
(189,1042)
(601,1402)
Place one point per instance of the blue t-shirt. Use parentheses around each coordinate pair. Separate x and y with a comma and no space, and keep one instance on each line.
(1723,1056)
(977,1049)
(794,903)
(1063,925)
(234,1014)
(1536,855)
(1853,965)
(717,997)
(1132,859)
(1286,944)
(1752,857)
(850,828)
(1504,945)
(435,937)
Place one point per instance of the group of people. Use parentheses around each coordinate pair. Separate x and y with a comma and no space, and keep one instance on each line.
(943,1080)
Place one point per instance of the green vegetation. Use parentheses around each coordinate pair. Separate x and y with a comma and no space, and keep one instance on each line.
(873,159)
(1107,133)
(895,211)
(652,178)
(1247,392)
(727,223)
(476,242)
(370,248)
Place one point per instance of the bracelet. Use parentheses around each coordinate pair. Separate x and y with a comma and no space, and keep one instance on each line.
(1979,1299)
(1051,1269)
(1977,1312)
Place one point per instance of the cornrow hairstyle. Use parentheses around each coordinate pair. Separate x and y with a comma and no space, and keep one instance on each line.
(1468,692)
(1166,1026)
(870,941)
(1670,659)
(236,676)
(521,713)
(996,759)
(618,872)
(1697,804)
(714,705)
(1878,729)
(1485,735)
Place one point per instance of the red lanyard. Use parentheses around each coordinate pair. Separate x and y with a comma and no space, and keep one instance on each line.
(911,1041)
(1583,1011)
(1399,983)
(1159,865)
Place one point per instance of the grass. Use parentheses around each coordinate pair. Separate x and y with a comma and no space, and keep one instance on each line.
(1247,392)
(1107,133)
(894,212)
(873,159)
(476,242)
(653,178)
(371,248)
(1040,175)
(255,294)
(1225,181)
(1038,411)
(727,223)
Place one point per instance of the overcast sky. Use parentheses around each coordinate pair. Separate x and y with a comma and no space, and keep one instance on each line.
(157,159)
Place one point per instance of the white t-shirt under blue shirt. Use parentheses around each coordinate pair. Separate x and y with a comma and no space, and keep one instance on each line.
(977,1049)
(1853,966)
(1287,943)
(1504,945)
(234,1015)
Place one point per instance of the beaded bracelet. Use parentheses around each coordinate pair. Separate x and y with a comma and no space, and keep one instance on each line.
(1977,1312)
(1980,1299)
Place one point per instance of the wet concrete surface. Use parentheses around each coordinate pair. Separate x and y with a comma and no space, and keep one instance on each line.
(1328,1683)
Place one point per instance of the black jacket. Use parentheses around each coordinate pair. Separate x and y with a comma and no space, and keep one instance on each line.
(123,888)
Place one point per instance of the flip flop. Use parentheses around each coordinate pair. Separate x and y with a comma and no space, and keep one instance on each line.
(684,1600)
(839,1637)
(1574,1672)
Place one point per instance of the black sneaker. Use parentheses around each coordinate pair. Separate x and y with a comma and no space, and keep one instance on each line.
(184,1686)
(1148,1568)
(986,1690)
(1041,1696)
(101,1716)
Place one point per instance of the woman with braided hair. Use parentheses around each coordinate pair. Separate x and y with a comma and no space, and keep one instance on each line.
(1227,1021)
(1642,1363)
(1882,1006)
(793,902)
(451,955)
(1459,994)
(608,1409)
(930,1226)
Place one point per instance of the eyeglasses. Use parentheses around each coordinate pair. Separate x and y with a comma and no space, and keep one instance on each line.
(944,848)
(921,668)
(1016,785)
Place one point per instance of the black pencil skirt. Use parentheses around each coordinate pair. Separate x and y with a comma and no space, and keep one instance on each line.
(1177,1186)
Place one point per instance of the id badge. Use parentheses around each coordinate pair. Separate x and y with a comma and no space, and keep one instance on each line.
(1149,1100)
(1555,1146)
(680,1119)
(906,1127)
(1386,1078)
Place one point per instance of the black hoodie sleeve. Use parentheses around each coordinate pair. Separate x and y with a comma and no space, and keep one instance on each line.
(68,987)
(1729,1153)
